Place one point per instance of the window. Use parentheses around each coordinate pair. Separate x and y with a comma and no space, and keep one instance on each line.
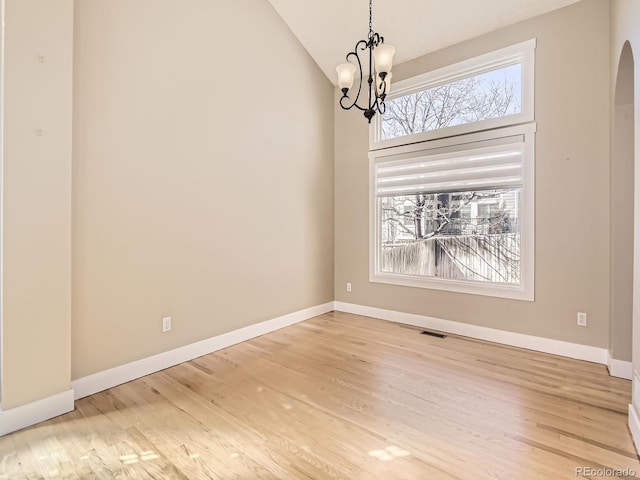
(489,91)
(488,95)
(457,212)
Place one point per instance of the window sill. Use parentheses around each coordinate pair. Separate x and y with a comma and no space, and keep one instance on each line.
(513,292)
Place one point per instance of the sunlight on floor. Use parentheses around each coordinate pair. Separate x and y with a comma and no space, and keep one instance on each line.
(389,453)
(135,458)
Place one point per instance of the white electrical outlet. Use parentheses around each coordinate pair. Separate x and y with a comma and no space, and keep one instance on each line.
(348,286)
(166,324)
(582,319)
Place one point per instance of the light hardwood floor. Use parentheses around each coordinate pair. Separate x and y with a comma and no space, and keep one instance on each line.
(343,397)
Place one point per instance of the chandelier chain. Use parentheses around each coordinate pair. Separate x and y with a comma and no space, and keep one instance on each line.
(370,18)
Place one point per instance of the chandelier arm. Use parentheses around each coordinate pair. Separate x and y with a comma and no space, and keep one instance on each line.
(380,95)
(349,107)
(354,53)
(383,92)
(381,106)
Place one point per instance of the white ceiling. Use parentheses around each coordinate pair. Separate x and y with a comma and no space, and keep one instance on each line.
(329,29)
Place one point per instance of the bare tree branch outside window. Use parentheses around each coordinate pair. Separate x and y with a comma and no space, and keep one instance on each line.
(481,97)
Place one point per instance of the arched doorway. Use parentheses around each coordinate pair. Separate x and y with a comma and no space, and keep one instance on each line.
(622,219)
(623,161)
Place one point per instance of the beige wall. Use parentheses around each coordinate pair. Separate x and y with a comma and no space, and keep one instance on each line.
(36,200)
(625,27)
(572,187)
(202,175)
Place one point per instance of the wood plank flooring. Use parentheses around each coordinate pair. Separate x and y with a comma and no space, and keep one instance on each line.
(344,397)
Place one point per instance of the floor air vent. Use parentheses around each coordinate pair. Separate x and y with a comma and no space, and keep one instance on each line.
(432,334)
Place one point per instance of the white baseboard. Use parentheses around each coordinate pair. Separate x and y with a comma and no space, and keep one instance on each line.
(97,382)
(540,344)
(26,415)
(634,427)
(619,368)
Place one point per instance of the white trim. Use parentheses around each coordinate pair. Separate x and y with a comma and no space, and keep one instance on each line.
(524,291)
(634,427)
(521,53)
(26,415)
(619,368)
(540,344)
(97,382)
(2,55)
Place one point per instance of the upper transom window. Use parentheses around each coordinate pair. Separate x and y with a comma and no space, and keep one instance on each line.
(489,91)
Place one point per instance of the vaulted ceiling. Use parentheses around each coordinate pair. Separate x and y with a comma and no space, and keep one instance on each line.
(328,29)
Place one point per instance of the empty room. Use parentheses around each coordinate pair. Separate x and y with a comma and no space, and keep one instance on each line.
(274,239)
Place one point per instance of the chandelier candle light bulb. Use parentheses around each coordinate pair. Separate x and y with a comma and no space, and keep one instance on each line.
(383,58)
(346,73)
(378,83)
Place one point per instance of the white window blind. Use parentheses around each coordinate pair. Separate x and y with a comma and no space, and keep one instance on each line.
(456,213)
(477,168)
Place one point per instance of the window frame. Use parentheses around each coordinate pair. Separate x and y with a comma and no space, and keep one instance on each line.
(521,53)
(524,291)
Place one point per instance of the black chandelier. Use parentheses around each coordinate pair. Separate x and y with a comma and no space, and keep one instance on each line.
(379,80)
